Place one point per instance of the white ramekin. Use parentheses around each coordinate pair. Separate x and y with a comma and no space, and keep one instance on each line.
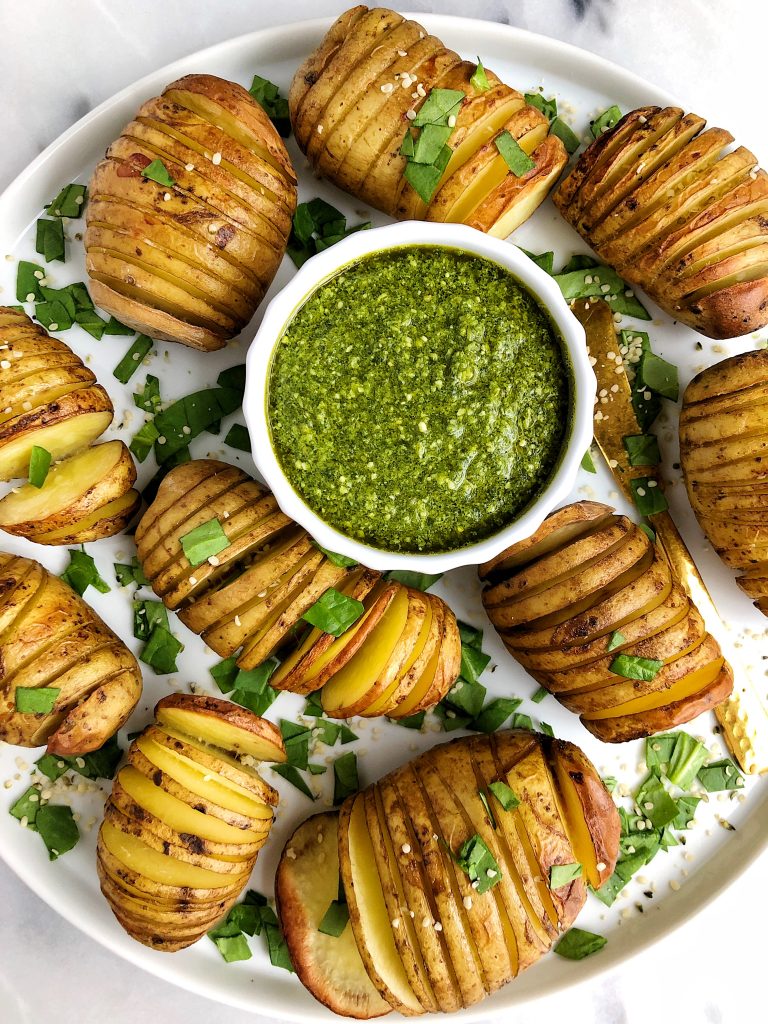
(324,266)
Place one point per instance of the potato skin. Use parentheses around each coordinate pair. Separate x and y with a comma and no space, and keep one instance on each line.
(724,406)
(97,675)
(228,220)
(696,196)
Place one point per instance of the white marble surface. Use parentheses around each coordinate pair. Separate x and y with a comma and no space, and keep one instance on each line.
(61,59)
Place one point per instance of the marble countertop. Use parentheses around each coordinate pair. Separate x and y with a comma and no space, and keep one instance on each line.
(61,59)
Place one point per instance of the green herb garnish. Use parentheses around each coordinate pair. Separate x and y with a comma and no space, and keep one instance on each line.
(133,573)
(648,496)
(479,79)
(417,580)
(28,277)
(82,573)
(58,829)
(495,713)
(478,863)
(588,462)
(504,795)
(630,666)
(131,361)
(149,398)
(98,764)
(719,776)
(161,651)
(335,919)
(655,803)
(616,640)
(238,438)
(411,721)
(68,203)
(577,944)
(547,107)
(158,172)
(39,464)
(545,260)
(334,612)
(335,558)
(688,756)
(590,281)
(291,774)
(317,226)
(564,874)
(147,615)
(345,778)
(267,95)
(515,158)
(566,134)
(206,541)
(39,700)
(605,121)
(642,449)
(49,240)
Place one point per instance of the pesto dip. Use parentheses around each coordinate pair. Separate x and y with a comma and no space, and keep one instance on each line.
(419,400)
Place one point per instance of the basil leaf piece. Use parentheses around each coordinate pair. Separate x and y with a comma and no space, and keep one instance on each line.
(225,674)
(296,742)
(147,615)
(655,803)
(335,558)
(335,919)
(473,663)
(688,756)
(291,774)
(514,157)
(206,541)
(28,277)
(616,640)
(267,95)
(470,636)
(489,813)
(686,812)
(610,782)
(184,420)
(658,750)
(579,261)
(143,440)
(648,531)
(451,719)
(539,696)
(36,700)
(49,240)
(114,327)
(478,863)
(587,462)
(564,874)
(646,403)
(630,666)
(278,951)
(610,889)
(131,361)
(566,134)
(91,322)
(495,713)
(39,464)
(504,795)
(417,580)
(424,178)
(438,107)
(157,171)
(53,316)
(316,226)
(411,721)
(547,107)
(58,829)
(148,398)
(604,283)
(248,688)
(577,944)
(98,764)
(430,142)
(334,612)
(27,806)
(466,697)
(82,573)
(658,375)
(642,449)
(345,779)
(232,947)
(545,260)
(605,121)
(69,202)
(648,500)
(479,79)
(719,776)
(238,438)
(161,651)
(521,722)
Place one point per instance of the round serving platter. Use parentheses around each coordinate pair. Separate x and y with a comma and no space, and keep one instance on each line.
(681,881)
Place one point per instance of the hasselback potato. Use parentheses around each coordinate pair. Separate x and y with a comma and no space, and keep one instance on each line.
(400,656)
(186,819)
(354,98)
(187,254)
(589,606)
(666,204)
(724,458)
(425,932)
(53,645)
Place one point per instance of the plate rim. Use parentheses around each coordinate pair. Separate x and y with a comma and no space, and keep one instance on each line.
(740,857)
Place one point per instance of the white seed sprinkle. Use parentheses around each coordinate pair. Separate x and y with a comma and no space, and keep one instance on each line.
(320,129)
(5,364)
(31,297)
(467,902)
(189,167)
(192,581)
(411,115)
(166,196)
(387,87)
(406,847)
(600,865)
(216,159)
(438,926)
(674,885)
(395,922)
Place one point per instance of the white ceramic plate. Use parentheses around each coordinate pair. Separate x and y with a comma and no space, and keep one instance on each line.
(713,856)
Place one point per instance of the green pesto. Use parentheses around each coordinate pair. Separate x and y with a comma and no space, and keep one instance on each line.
(418,400)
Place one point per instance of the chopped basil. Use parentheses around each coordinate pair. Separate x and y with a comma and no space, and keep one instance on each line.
(291,774)
(658,750)
(317,226)
(411,721)
(646,403)
(143,440)
(334,612)
(53,316)
(147,615)
(539,696)
(686,812)
(82,573)
(91,322)
(605,121)
(49,240)
(296,742)
(278,951)
(232,947)
(98,764)
(157,171)
(68,203)
(130,362)
(238,437)
(473,663)
(58,829)
(479,79)
(267,95)
(616,640)
(547,107)
(335,919)
(148,398)
(648,531)
(656,374)
(40,700)
(465,697)
(521,722)
(185,419)
(577,944)
(427,153)
(345,778)
(545,260)
(335,558)
(486,804)
(648,499)
(566,134)
(495,714)
(329,732)
(546,728)
(688,756)
(424,178)
(515,158)
(719,776)
(247,687)
(564,874)
(604,283)
(417,580)
(439,106)
(610,782)
(161,651)
(655,803)
(114,327)
(313,707)
(504,795)
(429,144)
(579,261)
(27,806)
(478,863)
(28,277)
(587,462)
(39,464)
(630,666)
(206,541)
(471,636)
(642,449)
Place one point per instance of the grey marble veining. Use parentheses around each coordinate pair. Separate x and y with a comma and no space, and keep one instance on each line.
(58,60)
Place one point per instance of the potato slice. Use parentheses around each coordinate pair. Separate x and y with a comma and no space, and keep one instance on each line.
(306,883)
(516,199)
(402,673)
(107,521)
(219,723)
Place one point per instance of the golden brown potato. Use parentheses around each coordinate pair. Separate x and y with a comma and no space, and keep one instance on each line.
(723,440)
(675,213)
(421,936)
(351,103)
(190,261)
(186,819)
(50,638)
(400,657)
(589,606)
